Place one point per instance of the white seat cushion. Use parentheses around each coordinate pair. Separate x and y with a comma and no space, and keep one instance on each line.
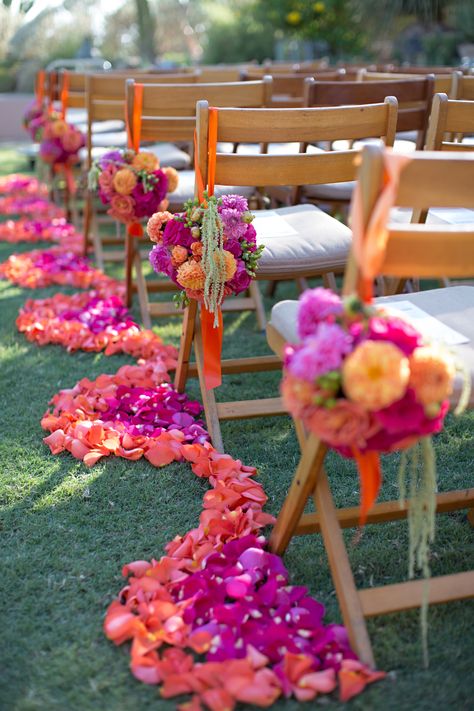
(453,306)
(185,190)
(276,149)
(329,191)
(309,242)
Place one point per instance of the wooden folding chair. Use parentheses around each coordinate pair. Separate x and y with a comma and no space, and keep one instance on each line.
(430,179)
(168,113)
(106,104)
(317,244)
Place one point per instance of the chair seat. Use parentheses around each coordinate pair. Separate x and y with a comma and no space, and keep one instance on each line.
(185,190)
(307,241)
(453,306)
(113,126)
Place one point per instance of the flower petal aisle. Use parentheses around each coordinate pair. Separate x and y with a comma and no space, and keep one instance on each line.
(215,617)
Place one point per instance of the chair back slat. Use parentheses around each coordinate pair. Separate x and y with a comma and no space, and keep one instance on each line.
(450,118)
(295,169)
(305,125)
(289,125)
(414,97)
(169,112)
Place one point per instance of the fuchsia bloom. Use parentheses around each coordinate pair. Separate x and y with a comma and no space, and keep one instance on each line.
(317,305)
(320,353)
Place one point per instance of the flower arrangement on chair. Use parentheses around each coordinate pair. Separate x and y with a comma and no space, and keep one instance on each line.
(34,119)
(210,250)
(132,184)
(364,382)
(60,142)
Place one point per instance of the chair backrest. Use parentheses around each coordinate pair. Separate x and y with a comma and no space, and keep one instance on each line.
(168,113)
(464,87)
(288,88)
(429,179)
(452,117)
(444,82)
(286,125)
(414,98)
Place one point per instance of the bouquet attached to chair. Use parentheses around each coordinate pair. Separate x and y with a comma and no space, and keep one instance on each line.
(133,185)
(210,250)
(365,383)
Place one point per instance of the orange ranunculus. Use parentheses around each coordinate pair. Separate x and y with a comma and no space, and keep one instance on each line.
(155,224)
(145,160)
(230,265)
(431,375)
(178,255)
(375,374)
(124,181)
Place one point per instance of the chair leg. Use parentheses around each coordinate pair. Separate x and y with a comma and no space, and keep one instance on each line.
(97,242)
(470,517)
(271,288)
(208,397)
(254,290)
(142,291)
(87,222)
(187,337)
(347,595)
(130,251)
(302,486)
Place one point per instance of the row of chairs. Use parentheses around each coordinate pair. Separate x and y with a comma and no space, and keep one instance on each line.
(320,248)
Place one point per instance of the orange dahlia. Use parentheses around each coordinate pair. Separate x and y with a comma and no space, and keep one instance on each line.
(196,249)
(191,276)
(230,265)
(431,375)
(145,160)
(375,374)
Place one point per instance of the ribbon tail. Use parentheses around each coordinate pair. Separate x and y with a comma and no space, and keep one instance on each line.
(212,348)
(69,176)
(135,229)
(370,475)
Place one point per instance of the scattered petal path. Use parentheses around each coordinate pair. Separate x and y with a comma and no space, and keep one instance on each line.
(217,593)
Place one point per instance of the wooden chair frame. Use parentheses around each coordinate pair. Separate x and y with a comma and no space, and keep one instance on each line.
(273,125)
(414,96)
(169,114)
(427,181)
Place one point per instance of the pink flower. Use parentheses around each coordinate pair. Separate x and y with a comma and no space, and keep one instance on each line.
(395,330)
(106,179)
(316,305)
(320,353)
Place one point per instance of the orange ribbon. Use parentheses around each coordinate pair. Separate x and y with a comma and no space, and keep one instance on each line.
(211,336)
(370,476)
(64,94)
(135,229)
(68,176)
(134,128)
(370,240)
(40,79)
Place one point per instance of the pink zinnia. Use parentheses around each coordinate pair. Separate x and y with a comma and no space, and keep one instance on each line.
(320,353)
(316,305)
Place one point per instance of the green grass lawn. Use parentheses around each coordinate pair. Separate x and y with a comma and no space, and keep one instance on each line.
(67,531)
